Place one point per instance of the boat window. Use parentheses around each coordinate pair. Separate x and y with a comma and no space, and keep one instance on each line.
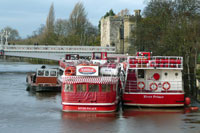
(47,73)
(40,72)
(53,73)
(106,87)
(97,56)
(81,87)
(176,74)
(166,73)
(93,88)
(122,59)
(114,87)
(140,73)
(68,88)
(112,60)
(60,72)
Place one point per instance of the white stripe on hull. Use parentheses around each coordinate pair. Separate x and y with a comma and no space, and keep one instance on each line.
(90,111)
(90,104)
(153,93)
(154,105)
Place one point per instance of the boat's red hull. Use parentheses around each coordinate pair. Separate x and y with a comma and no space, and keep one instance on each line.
(89,108)
(154,100)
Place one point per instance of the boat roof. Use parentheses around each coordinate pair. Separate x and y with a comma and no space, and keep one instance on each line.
(144,60)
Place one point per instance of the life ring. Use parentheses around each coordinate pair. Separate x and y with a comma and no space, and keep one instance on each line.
(141,85)
(124,65)
(152,64)
(70,71)
(151,86)
(166,85)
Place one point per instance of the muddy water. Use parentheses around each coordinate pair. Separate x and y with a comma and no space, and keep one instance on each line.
(22,111)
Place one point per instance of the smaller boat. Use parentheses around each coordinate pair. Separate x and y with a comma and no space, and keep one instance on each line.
(43,80)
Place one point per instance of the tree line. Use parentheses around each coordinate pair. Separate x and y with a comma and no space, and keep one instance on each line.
(76,30)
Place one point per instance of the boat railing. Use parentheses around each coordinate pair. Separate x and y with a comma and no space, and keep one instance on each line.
(88,68)
(155,62)
(153,86)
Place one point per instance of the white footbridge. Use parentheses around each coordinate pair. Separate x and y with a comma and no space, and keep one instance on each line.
(51,52)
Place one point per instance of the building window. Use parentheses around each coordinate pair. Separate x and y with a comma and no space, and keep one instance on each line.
(113,44)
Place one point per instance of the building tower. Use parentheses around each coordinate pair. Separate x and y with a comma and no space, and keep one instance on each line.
(117,31)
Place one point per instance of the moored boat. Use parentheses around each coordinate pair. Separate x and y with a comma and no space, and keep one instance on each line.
(153,81)
(43,80)
(87,89)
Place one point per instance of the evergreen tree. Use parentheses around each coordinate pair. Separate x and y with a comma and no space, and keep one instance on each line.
(49,29)
(110,13)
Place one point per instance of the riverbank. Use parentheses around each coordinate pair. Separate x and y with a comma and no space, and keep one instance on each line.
(29,60)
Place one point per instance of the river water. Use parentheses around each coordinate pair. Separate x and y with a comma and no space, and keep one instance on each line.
(22,111)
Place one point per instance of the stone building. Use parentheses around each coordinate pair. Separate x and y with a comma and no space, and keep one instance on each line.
(118,31)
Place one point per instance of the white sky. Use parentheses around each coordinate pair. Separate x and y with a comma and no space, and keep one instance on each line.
(27,15)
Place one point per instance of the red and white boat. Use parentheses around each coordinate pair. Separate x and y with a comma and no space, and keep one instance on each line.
(43,80)
(91,86)
(152,81)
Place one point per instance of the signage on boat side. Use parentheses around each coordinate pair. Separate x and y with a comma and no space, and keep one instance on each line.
(153,96)
(87,108)
(87,70)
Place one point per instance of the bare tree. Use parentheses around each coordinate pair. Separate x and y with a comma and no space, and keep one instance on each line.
(124,12)
(61,27)
(14,35)
(78,19)
(78,22)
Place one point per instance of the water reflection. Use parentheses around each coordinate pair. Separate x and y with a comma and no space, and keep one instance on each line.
(130,111)
(85,116)
(89,122)
(44,95)
(23,111)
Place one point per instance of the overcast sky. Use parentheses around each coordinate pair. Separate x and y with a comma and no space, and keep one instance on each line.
(27,15)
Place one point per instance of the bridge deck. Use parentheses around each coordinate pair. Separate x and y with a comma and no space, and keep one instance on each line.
(51,52)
